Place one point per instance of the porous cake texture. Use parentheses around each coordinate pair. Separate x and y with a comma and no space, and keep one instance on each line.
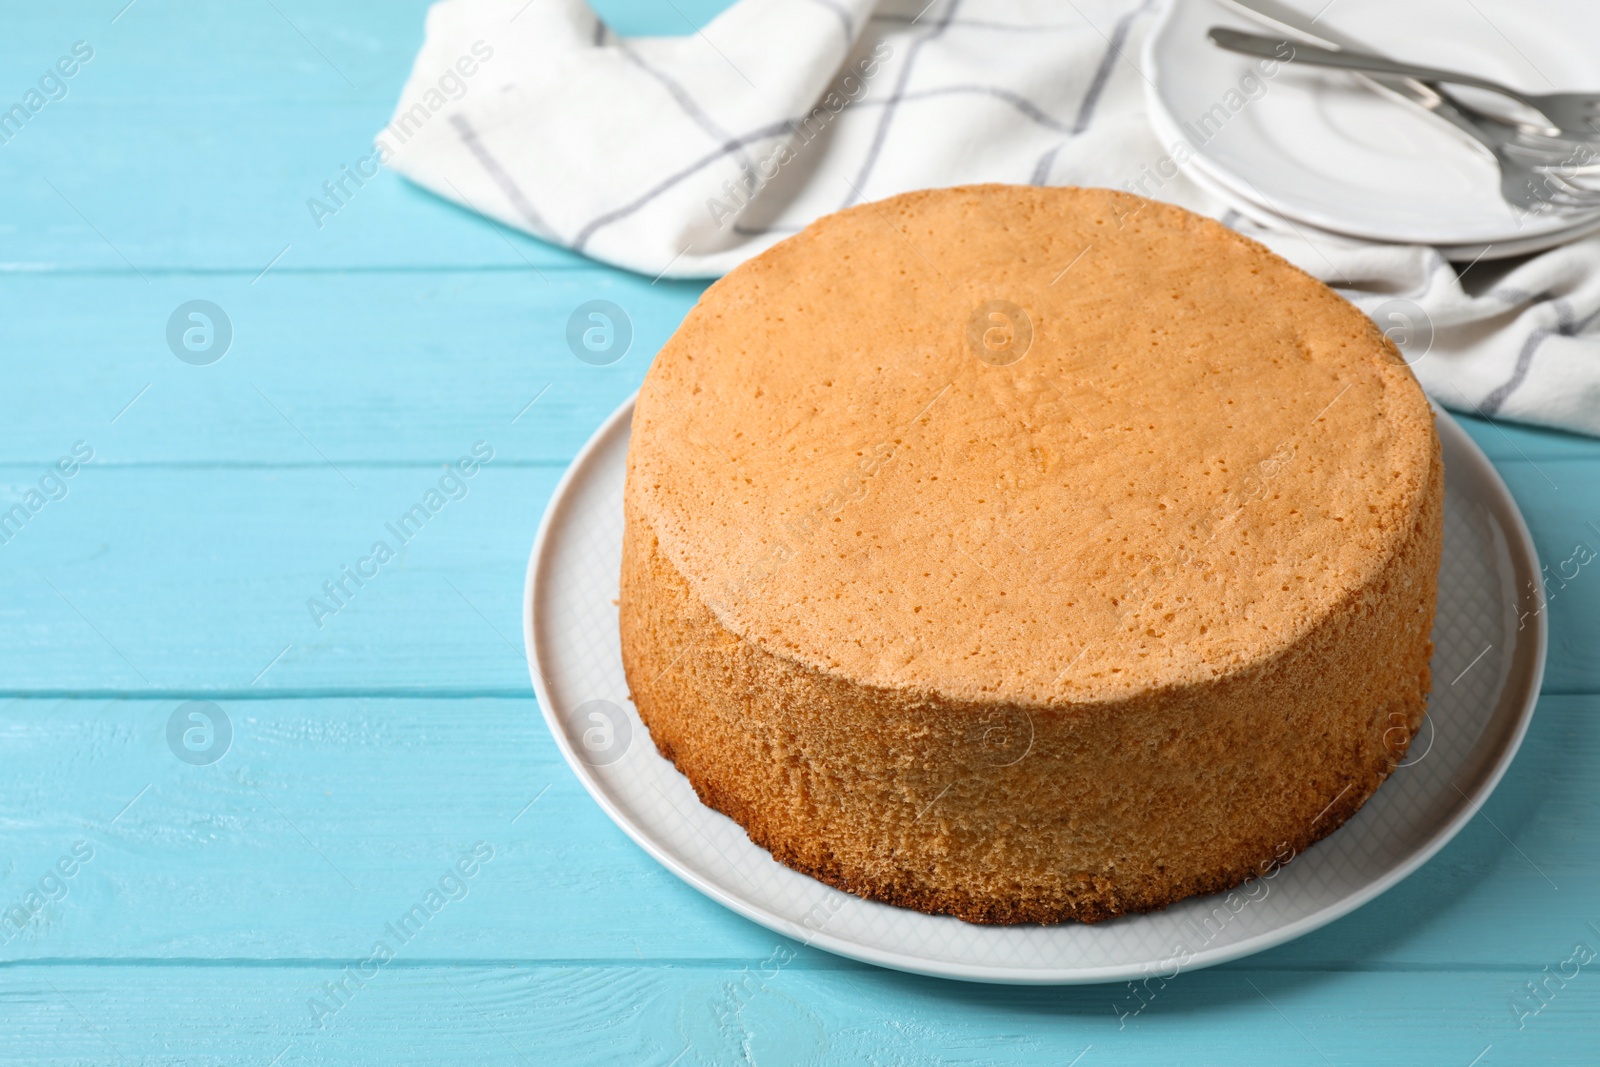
(1030,555)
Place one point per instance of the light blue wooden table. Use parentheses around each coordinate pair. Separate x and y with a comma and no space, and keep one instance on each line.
(168,910)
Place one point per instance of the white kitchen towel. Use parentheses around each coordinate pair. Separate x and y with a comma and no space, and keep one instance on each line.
(683,156)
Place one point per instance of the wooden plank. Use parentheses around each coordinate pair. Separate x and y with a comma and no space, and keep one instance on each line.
(200,579)
(774,1015)
(375,367)
(1561,501)
(238,179)
(323,819)
(319,821)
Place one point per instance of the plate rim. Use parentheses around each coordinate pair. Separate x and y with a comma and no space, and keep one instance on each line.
(1264,216)
(1520,548)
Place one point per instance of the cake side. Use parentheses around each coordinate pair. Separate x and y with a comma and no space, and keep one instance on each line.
(1036,814)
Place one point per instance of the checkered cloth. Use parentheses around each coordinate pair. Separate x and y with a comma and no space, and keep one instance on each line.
(684,156)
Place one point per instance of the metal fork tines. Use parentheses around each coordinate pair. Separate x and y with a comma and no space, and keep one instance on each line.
(1538,172)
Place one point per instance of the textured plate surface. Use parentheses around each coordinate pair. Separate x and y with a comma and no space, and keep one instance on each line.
(1315,146)
(1488,659)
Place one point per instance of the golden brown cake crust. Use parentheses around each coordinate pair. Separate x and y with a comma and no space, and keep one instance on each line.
(1060,638)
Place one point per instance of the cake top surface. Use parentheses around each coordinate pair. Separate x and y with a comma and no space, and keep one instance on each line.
(1024,444)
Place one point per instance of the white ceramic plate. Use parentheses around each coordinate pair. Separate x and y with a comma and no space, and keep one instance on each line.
(1267,219)
(1486,676)
(1315,147)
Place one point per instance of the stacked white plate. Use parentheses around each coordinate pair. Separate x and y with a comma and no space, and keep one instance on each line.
(1293,147)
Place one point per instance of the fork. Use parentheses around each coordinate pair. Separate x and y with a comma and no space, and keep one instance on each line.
(1538,171)
(1569,113)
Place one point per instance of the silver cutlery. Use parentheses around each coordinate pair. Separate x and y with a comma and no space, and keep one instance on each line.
(1574,114)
